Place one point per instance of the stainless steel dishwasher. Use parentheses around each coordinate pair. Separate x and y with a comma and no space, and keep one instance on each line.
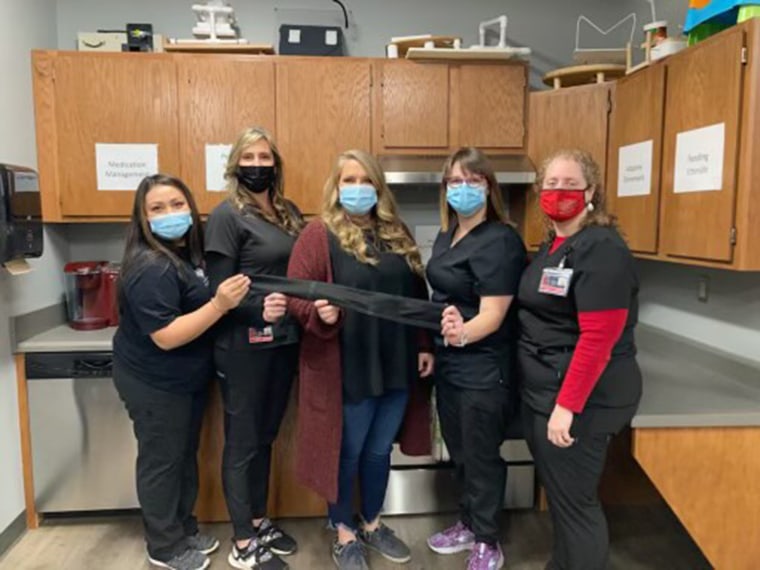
(83,447)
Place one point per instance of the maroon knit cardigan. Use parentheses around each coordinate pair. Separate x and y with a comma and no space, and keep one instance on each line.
(320,402)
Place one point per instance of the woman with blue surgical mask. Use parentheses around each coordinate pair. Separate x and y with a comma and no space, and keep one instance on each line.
(163,362)
(475,269)
(362,380)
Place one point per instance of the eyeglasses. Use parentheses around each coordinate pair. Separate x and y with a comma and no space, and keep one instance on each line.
(456,181)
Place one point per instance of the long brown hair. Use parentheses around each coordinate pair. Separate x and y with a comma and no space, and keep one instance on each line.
(388,226)
(472,160)
(598,216)
(143,246)
(285,216)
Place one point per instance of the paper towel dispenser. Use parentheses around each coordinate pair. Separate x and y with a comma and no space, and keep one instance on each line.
(20,213)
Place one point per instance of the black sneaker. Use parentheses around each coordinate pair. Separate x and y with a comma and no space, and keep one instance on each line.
(274,538)
(255,555)
(349,556)
(188,560)
(384,541)
(203,543)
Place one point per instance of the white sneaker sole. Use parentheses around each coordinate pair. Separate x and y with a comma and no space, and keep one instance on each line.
(160,564)
(451,549)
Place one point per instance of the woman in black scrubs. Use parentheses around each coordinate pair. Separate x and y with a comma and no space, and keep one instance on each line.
(253,232)
(163,362)
(475,268)
(581,383)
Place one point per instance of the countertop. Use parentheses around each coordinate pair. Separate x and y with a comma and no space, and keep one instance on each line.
(686,384)
(65,339)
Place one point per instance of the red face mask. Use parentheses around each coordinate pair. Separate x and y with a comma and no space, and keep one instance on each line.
(562,205)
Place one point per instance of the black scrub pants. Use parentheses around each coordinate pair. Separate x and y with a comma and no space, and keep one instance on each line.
(570,477)
(255,388)
(167,426)
(473,425)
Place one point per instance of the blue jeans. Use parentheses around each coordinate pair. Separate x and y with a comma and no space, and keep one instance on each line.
(369,429)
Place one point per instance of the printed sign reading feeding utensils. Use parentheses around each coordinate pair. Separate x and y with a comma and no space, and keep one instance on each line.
(123,166)
(699,159)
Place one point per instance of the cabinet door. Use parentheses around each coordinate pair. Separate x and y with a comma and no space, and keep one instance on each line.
(218,98)
(412,104)
(575,117)
(111,98)
(488,105)
(637,118)
(704,88)
(322,110)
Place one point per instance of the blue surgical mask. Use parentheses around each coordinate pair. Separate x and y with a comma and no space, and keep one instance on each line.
(357,199)
(466,199)
(171,226)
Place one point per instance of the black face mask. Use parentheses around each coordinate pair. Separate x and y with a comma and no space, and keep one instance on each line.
(257,179)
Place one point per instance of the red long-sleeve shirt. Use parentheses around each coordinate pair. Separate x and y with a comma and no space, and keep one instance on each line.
(599,332)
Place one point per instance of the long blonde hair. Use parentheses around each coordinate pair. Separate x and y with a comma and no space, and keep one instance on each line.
(598,216)
(387,224)
(284,215)
(472,160)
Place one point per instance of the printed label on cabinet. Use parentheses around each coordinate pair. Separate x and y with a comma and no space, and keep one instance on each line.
(216,162)
(635,169)
(699,159)
(123,166)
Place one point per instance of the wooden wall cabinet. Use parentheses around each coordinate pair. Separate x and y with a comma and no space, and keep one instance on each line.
(315,107)
(576,117)
(218,98)
(704,88)
(637,119)
(322,110)
(434,108)
(82,99)
(712,83)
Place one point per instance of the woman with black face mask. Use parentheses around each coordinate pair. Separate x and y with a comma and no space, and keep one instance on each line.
(256,352)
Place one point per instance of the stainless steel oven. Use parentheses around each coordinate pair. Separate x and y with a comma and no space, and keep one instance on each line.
(428,485)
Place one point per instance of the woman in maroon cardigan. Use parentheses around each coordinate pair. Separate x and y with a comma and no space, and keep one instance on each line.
(359,376)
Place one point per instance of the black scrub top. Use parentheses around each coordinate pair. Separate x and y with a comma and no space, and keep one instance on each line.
(604,278)
(152,296)
(258,247)
(377,355)
(487,262)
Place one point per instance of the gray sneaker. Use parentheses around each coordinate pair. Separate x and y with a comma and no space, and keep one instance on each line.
(203,543)
(384,541)
(188,560)
(350,556)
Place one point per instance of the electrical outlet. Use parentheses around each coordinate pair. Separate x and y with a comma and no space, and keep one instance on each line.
(703,288)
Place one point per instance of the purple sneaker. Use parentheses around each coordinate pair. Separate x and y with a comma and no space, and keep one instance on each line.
(454,539)
(485,557)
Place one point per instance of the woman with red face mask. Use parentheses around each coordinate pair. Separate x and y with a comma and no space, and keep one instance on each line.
(576,354)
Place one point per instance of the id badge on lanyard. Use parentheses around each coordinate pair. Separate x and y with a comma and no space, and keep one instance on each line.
(556,280)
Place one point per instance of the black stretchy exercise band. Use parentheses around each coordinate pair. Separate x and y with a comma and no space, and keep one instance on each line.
(404,310)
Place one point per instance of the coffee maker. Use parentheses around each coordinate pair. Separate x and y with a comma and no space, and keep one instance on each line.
(91,294)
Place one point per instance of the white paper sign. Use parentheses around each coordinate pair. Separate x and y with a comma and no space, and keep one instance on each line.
(216,162)
(123,166)
(699,159)
(635,169)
